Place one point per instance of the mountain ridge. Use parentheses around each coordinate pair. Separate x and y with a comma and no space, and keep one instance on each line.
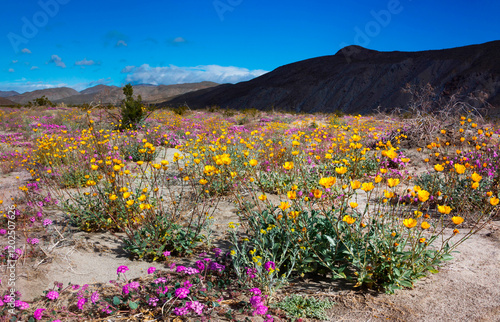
(108,94)
(358,80)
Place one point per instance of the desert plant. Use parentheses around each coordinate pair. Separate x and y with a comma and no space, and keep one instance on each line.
(301,306)
(132,110)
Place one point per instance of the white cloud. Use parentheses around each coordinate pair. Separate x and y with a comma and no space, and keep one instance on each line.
(57,60)
(146,74)
(127,69)
(26,51)
(179,40)
(28,86)
(34,67)
(121,43)
(85,62)
(11,70)
(15,61)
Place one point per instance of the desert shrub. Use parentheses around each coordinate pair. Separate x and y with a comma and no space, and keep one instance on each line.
(301,306)
(96,211)
(42,101)
(74,177)
(160,234)
(138,151)
(132,110)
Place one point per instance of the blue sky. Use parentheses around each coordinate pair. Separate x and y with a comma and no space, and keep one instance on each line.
(76,43)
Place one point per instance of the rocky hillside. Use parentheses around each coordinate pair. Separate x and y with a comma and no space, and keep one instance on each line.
(6,102)
(358,80)
(110,94)
(52,94)
(149,93)
(8,93)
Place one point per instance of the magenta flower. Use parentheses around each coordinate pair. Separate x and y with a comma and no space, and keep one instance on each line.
(255,291)
(151,270)
(122,269)
(256,300)
(182,292)
(94,297)
(166,253)
(21,305)
(259,310)
(269,265)
(81,302)
(180,311)
(38,314)
(153,301)
(52,295)
(196,307)
(160,280)
(187,284)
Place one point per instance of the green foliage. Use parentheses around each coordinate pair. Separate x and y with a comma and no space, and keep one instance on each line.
(181,110)
(161,234)
(456,191)
(42,101)
(137,151)
(74,177)
(299,306)
(132,111)
(96,212)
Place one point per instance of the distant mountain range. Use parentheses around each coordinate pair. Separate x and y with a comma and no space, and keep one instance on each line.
(358,80)
(103,93)
(8,93)
(6,102)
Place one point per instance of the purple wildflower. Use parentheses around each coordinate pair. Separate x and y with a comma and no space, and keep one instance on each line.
(180,311)
(94,297)
(196,307)
(52,295)
(81,302)
(182,292)
(38,314)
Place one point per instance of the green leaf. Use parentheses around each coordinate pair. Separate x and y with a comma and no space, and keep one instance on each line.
(406,284)
(133,305)
(447,257)
(116,300)
(434,271)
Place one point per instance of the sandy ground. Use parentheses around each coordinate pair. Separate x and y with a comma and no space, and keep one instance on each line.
(466,288)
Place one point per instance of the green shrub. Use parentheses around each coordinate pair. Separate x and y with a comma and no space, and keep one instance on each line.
(132,110)
(299,306)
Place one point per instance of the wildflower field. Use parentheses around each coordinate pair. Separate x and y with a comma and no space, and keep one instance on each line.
(228,211)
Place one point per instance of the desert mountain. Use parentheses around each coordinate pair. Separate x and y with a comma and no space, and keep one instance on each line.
(8,93)
(6,102)
(358,80)
(110,94)
(52,94)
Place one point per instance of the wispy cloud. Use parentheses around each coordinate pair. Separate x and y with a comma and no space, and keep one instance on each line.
(57,60)
(15,61)
(120,43)
(11,70)
(127,69)
(34,67)
(102,81)
(146,74)
(26,51)
(115,38)
(179,40)
(85,62)
(24,86)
